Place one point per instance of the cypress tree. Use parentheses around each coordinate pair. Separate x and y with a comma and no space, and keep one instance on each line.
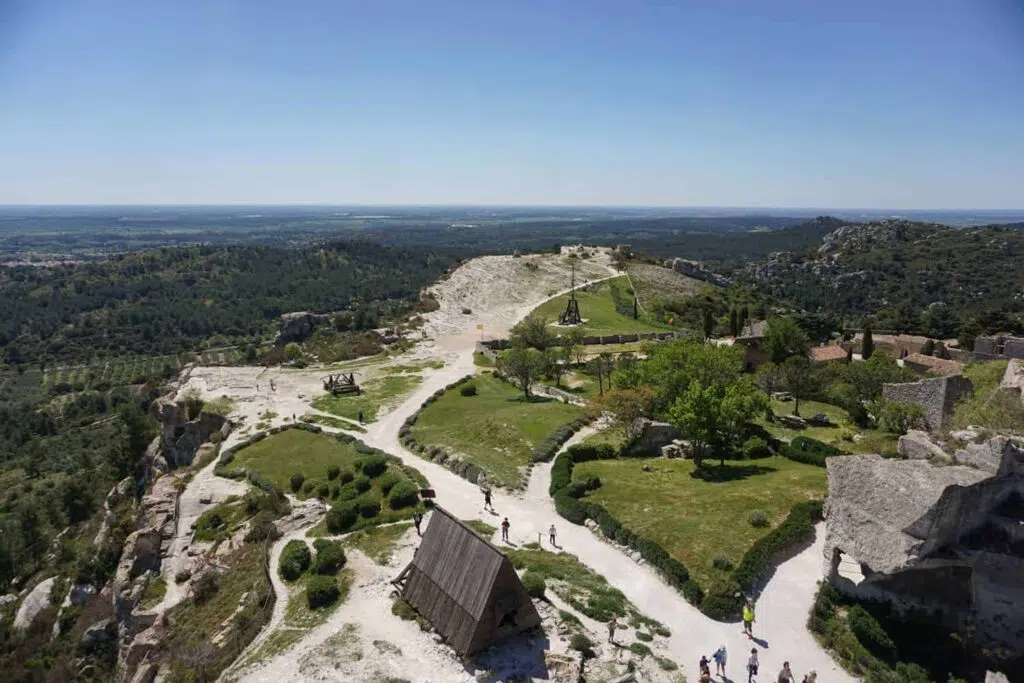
(868,345)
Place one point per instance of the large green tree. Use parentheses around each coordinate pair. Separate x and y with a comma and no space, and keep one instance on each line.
(711,416)
(533,331)
(522,365)
(784,338)
(800,380)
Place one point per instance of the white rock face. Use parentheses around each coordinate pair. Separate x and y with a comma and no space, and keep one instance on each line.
(35,602)
(917,445)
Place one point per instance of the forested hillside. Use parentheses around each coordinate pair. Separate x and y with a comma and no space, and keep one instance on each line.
(170,300)
(915,277)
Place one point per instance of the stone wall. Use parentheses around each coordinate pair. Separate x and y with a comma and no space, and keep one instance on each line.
(936,397)
(998,347)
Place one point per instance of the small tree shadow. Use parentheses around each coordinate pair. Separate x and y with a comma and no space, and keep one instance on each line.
(719,473)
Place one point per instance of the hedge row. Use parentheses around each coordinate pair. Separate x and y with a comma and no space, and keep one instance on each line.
(722,601)
(808,451)
(578,512)
(549,446)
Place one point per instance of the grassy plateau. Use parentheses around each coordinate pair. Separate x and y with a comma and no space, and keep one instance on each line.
(377,393)
(693,519)
(496,430)
(598,309)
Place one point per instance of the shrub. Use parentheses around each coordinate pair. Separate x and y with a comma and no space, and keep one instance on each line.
(205,587)
(296,482)
(593,482)
(330,557)
(373,466)
(369,509)
(403,495)
(570,508)
(341,519)
(346,476)
(332,472)
(307,488)
(693,592)
(262,528)
(335,491)
(581,643)
(403,610)
(870,633)
(387,482)
(295,559)
(755,448)
(348,492)
(182,576)
(322,491)
(321,591)
(534,583)
(577,489)
(468,390)
(639,649)
(646,637)
(724,601)
(721,562)
(758,518)
(363,484)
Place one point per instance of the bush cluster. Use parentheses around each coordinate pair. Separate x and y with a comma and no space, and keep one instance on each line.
(758,518)
(468,389)
(387,482)
(369,508)
(808,451)
(341,519)
(332,472)
(756,448)
(403,495)
(870,633)
(330,557)
(550,445)
(295,481)
(295,559)
(372,466)
(321,591)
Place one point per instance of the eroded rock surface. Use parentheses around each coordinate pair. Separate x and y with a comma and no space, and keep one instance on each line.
(34,603)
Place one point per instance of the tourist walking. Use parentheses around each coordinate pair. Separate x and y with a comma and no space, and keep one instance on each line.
(417,519)
(487,500)
(504,529)
(360,416)
(752,665)
(720,658)
(551,535)
(612,625)
(785,675)
(748,618)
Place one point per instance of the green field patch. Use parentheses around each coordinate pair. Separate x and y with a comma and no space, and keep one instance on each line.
(376,394)
(840,436)
(693,519)
(606,308)
(496,429)
(335,422)
(377,543)
(297,456)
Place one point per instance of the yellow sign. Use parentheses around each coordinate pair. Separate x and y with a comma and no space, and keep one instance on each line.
(479,326)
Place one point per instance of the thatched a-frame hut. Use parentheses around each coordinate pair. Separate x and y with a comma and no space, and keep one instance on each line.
(465,587)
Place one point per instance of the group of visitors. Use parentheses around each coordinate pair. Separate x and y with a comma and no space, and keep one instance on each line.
(506,525)
(721,657)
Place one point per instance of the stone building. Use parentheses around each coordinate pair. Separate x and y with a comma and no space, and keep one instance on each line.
(932,365)
(752,339)
(947,540)
(998,347)
(936,397)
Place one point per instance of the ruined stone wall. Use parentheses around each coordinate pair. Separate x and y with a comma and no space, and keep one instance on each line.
(936,397)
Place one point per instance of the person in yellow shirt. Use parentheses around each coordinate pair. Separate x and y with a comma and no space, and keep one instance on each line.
(748,618)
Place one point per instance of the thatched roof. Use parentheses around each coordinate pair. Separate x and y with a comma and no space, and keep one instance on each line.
(465,587)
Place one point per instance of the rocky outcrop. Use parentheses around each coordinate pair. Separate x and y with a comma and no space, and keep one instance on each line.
(1013,378)
(649,437)
(99,633)
(181,437)
(141,554)
(918,445)
(298,326)
(302,514)
(145,673)
(34,603)
(987,455)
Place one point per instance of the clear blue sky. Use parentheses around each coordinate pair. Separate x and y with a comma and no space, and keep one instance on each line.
(823,103)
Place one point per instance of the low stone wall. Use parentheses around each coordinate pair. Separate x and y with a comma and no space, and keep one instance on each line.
(936,397)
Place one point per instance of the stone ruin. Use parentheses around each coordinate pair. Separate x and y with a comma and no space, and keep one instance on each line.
(997,347)
(936,397)
(181,436)
(947,540)
(696,270)
(298,326)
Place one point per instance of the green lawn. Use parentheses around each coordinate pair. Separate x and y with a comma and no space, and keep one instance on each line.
(296,451)
(694,520)
(873,441)
(377,543)
(377,393)
(616,438)
(496,430)
(598,309)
